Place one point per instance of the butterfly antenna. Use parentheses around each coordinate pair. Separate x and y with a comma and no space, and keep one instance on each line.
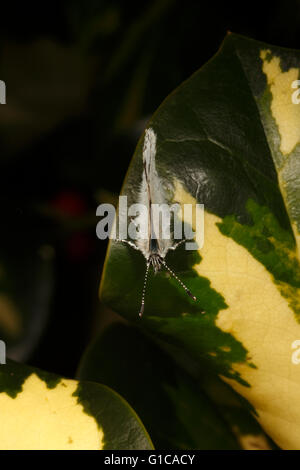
(179,281)
(144,290)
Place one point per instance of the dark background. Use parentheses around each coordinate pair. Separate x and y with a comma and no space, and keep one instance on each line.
(82,78)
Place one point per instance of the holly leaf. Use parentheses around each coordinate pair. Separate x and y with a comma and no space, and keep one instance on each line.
(229,138)
(174,409)
(40,410)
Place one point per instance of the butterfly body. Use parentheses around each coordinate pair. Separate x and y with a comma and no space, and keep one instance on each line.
(155,246)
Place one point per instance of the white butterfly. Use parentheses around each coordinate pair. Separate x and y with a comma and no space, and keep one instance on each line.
(155,246)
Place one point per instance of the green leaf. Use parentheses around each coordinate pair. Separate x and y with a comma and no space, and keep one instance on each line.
(75,415)
(229,138)
(174,409)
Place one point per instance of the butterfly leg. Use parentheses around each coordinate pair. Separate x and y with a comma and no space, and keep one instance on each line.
(178,244)
(119,240)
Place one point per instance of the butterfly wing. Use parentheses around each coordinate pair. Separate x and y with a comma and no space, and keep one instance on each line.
(152,192)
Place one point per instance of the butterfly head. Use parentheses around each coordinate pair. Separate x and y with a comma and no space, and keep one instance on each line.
(156,261)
